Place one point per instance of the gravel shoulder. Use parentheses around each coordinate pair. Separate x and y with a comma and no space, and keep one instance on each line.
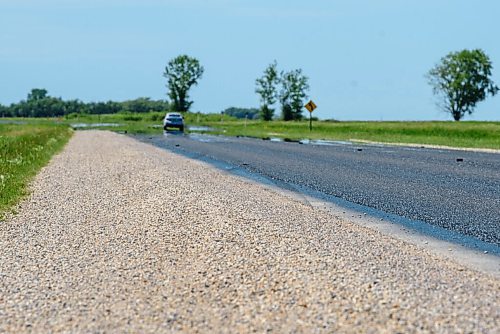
(120,236)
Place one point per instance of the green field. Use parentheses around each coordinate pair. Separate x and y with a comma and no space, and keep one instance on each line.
(24,150)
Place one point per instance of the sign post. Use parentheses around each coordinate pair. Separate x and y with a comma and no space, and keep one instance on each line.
(310,106)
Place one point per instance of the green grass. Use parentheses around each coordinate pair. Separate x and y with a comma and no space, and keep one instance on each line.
(455,134)
(24,150)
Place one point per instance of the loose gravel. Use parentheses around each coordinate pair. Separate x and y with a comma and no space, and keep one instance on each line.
(120,236)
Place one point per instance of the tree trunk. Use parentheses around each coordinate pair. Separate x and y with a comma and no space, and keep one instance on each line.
(287,113)
(266,113)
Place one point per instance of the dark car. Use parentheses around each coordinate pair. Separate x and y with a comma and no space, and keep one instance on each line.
(173,120)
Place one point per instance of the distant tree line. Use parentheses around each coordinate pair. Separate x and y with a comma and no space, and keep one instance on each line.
(39,104)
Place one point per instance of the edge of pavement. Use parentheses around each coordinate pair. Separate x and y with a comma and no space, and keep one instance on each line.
(467,251)
(441,147)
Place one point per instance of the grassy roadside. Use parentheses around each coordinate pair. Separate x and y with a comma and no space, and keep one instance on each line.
(463,134)
(24,150)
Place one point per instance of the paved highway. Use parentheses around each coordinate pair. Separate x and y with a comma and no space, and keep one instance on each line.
(456,190)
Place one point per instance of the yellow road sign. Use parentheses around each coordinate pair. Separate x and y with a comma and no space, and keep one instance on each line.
(310,106)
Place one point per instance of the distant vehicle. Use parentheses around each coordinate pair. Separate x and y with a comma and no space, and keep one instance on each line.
(173,120)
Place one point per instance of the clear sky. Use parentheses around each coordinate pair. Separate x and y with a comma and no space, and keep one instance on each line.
(365,59)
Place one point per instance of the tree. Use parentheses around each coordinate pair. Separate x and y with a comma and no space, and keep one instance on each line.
(250,113)
(37,94)
(4,111)
(101,108)
(182,72)
(294,86)
(266,88)
(40,104)
(74,107)
(462,79)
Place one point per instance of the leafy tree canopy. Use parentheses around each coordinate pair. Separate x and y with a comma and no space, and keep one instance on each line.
(37,94)
(266,87)
(182,72)
(294,87)
(462,79)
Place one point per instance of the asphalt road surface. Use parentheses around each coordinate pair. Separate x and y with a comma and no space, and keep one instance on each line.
(456,190)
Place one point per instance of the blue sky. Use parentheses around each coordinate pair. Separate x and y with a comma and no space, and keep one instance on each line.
(366,60)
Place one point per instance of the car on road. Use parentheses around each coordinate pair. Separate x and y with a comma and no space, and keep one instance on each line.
(173,120)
